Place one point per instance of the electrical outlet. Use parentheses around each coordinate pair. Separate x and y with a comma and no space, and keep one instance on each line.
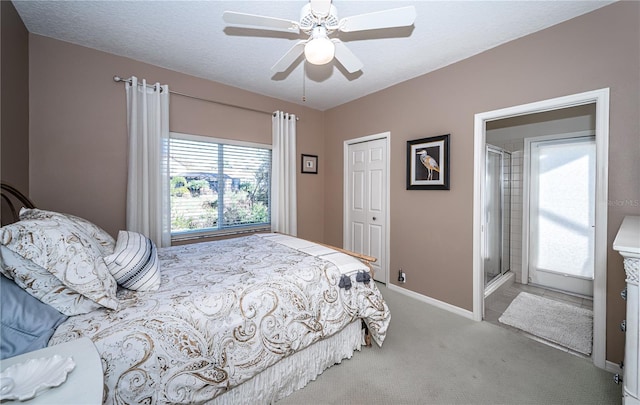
(402,278)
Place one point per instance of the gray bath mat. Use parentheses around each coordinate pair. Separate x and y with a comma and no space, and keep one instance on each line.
(561,323)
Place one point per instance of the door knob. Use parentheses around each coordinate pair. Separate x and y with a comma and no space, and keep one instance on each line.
(374,218)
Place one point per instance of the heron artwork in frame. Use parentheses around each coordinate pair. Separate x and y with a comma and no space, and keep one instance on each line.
(428,163)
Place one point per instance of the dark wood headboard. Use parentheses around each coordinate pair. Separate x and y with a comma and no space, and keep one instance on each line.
(12,200)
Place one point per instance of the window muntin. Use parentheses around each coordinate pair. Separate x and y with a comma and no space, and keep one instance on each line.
(218,186)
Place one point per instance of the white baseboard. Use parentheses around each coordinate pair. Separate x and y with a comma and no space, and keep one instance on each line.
(612,367)
(432,301)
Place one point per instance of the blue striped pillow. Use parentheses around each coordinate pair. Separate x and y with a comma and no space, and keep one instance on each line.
(134,262)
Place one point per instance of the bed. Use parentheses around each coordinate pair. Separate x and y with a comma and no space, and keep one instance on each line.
(242,320)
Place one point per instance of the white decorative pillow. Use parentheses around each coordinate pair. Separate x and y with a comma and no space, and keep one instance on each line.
(104,240)
(41,284)
(134,263)
(70,255)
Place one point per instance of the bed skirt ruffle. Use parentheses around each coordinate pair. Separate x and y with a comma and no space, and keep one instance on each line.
(280,380)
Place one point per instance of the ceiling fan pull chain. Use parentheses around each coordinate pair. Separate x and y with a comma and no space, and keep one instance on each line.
(304,81)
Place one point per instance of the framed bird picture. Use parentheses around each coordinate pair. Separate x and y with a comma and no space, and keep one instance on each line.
(428,163)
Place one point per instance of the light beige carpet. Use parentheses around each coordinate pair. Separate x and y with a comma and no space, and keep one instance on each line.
(558,322)
(434,357)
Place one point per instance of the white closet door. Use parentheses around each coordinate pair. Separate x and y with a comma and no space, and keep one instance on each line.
(366,202)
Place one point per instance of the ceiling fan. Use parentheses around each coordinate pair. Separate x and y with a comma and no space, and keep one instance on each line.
(319,19)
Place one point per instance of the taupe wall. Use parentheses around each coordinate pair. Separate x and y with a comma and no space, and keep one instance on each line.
(563,121)
(431,231)
(14,99)
(79,140)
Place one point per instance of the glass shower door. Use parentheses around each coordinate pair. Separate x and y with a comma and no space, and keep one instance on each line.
(493,216)
(497,242)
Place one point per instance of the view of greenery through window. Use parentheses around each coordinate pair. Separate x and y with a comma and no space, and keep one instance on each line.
(216,186)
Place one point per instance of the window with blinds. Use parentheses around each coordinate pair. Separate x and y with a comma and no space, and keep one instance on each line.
(218,186)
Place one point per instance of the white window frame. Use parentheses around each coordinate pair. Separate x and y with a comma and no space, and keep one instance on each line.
(207,233)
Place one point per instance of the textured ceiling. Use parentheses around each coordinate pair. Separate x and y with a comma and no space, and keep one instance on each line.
(190,37)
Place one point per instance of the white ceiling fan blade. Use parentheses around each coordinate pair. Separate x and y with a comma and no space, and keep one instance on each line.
(320,8)
(397,17)
(277,24)
(289,57)
(346,57)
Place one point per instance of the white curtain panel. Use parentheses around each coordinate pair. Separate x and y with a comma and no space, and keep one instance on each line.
(148,210)
(283,174)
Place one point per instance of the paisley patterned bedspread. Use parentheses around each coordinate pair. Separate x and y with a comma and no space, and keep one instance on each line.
(225,311)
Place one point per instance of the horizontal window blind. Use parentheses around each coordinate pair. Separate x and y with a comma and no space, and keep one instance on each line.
(217,186)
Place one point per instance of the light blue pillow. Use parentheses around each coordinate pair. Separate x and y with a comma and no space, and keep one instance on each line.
(27,323)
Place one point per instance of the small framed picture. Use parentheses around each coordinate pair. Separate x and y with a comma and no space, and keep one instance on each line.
(310,164)
(428,163)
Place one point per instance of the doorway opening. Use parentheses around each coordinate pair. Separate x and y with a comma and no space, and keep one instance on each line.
(488,128)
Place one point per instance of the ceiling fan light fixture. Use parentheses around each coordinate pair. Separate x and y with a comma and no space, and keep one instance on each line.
(319,19)
(319,51)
